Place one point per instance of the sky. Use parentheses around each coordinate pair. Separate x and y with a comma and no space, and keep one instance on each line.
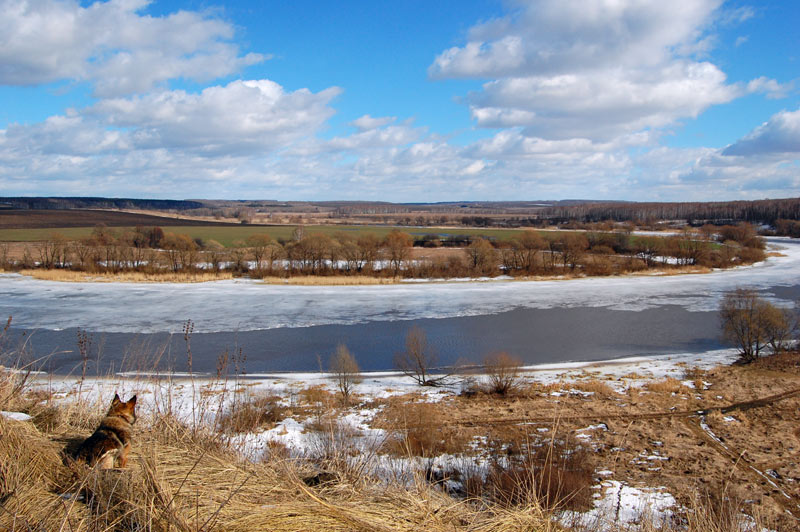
(404,101)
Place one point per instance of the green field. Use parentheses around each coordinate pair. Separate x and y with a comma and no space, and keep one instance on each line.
(227,235)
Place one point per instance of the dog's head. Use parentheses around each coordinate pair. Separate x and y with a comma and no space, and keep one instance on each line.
(126,410)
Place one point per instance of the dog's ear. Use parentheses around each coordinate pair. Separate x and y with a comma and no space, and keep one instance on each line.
(116,400)
(132,401)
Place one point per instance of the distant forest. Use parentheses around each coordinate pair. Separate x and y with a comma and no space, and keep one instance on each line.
(758,211)
(98,203)
(497,213)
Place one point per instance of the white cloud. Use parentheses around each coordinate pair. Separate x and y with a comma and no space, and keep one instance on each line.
(241,117)
(771,88)
(555,37)
(111,45)
(367,122)
(601,105)
(598,71)
(78,155)
(779,135)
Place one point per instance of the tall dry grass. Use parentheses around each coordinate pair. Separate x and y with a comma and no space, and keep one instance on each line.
(178,482)
(126,277)
(330,280)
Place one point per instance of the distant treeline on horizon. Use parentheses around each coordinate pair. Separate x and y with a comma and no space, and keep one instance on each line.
(766,211)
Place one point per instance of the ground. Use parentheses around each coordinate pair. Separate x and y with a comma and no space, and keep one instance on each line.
(677,437)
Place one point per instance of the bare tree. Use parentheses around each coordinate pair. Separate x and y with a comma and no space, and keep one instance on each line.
(345,370)
(503,372)
(258,244)
(398,247)
(482,256)
(418,359)
(753,324)
(781,327)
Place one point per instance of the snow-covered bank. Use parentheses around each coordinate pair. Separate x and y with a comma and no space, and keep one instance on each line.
(200,399)
(188,397)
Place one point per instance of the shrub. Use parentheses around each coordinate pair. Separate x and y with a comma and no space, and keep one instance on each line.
(345,372)
(253,414)
(753,324)
(556,476)
(422,431)
(503,372)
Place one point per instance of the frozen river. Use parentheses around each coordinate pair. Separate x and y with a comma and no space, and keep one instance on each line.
(286,327)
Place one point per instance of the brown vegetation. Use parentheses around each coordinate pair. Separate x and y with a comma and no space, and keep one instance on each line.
(755,325)
(152,251)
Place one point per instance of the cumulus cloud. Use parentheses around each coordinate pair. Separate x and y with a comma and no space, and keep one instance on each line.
(554,37)
(779,135)
(171,135)
(598,72)
(242,116)
(771,88)
(112,45)
(367,122)
(601,105)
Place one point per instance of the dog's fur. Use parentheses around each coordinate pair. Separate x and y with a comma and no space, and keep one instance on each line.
(110,444)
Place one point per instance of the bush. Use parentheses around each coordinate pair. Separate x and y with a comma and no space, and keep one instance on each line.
(554,476)
(503,372)
(345,371)
(253,414)
(753,324)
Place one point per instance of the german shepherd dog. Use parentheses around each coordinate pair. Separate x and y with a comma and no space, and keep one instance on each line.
(110,444)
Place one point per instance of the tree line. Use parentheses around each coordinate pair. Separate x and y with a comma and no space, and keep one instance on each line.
(152,250)
(757,211)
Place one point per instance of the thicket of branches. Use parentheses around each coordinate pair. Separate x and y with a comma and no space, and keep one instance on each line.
(754,325)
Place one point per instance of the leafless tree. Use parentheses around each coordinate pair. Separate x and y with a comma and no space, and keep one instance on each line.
(345,371)
(398,246)
(418,359)
(258,244)
(482,256)
(753,324)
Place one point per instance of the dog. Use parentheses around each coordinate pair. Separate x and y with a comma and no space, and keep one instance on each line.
(110,444)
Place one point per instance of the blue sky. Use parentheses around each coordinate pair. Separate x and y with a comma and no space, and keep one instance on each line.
(688,100)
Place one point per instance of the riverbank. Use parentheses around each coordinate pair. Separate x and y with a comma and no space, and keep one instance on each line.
(200,276)
(677,443)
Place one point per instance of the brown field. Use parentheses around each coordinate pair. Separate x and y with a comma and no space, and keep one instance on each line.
(44,219)
(651,435)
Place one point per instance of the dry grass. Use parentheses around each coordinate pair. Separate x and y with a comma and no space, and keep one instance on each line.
(667,386)
(126,277)
(555,476)
(179,483)
(665,271)
(421,429)
(597,387)
(253,414)
(331,280)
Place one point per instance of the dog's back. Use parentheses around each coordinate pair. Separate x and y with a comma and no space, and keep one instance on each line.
(110,444)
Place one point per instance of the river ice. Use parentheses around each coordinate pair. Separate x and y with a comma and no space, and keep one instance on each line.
(245,305)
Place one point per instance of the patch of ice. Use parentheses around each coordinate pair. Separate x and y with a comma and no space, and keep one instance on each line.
(623,506)
(17,416)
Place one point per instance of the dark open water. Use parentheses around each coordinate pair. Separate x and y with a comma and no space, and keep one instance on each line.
(535,335)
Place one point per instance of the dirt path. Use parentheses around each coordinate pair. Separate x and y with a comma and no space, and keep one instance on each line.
(779,488)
